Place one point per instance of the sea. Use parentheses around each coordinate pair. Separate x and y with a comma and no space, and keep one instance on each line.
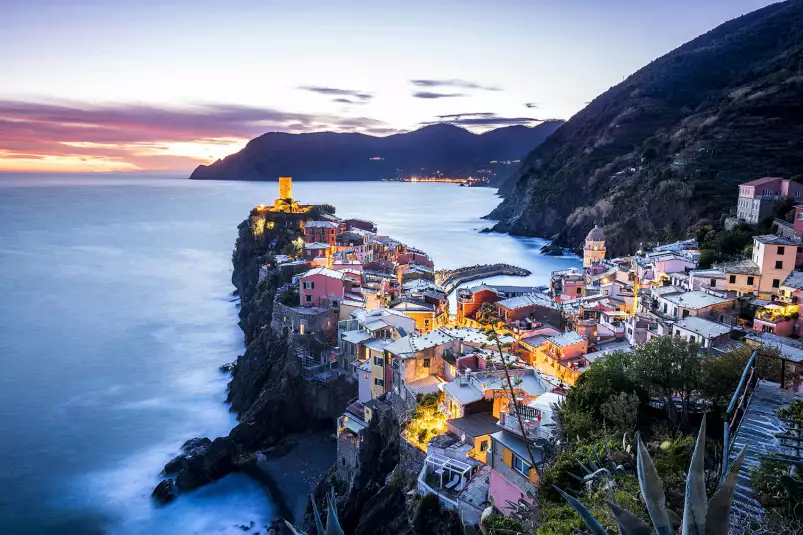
(117,311)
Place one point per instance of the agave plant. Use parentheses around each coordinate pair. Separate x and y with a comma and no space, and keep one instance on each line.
(701,516)
(332,523)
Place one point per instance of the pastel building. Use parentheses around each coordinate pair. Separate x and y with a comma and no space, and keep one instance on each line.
(320,286)
(321,232)
(594,250)
(775,257)
(758,198)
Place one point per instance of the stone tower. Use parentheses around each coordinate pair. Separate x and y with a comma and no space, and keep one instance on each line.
(594,250)
(285,187)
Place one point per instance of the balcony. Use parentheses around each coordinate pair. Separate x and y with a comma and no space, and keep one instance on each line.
(530,418)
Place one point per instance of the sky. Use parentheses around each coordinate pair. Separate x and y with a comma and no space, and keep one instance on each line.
(91,85)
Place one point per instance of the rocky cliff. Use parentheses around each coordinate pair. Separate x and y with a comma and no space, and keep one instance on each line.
(452,150)
(663,152)
(266,391)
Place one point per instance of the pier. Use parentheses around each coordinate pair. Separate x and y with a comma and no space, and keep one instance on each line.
(449,279)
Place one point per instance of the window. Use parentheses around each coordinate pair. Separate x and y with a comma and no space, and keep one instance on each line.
(309,285)
(776,283)
(732,279)
(780,250)
(426,323)
(750,280)
(484,445)
(664,308)
(800,215)
(520,466)
(691,338)
(426,363)
(713,283)
(685,313)
(379,382)
(579,291)
(677,332)
(379,361)
(308,298)
(797,193)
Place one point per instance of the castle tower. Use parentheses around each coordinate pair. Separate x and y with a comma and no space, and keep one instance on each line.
(594,250)
(285,187)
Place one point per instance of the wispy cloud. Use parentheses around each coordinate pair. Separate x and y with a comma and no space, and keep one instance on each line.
(348,101)
(341,93)
(128,136)
(463,84)
(483,119)
(531,105)
(431,95)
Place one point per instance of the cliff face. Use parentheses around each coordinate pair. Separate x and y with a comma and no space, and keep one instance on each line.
(662,153)
(346,156)
(266,391)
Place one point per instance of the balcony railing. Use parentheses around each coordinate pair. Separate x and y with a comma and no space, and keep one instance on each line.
(530,419)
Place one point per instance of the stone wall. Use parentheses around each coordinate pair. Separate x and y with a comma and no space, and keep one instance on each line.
(348,455)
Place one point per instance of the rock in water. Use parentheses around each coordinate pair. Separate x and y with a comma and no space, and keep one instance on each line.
(193,448)
(165,491)
(552,250)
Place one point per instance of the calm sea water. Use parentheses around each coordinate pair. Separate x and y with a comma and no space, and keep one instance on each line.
(116,313)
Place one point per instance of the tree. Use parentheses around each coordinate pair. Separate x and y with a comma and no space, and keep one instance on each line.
(621,411)
(669,367)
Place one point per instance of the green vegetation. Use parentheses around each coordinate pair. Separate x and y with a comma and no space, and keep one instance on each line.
(700,515)
(426,421)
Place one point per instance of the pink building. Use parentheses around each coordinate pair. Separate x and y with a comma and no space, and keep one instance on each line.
(321,285)
(775,257)
(757,198)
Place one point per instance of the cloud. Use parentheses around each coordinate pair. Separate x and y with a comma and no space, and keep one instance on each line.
(348,101)
(428,94)
(483,119)
(135,136)
(531,105)
(461,115)
(463,84)
(333,91)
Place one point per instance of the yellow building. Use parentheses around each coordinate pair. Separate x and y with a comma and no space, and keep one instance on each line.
(594,250)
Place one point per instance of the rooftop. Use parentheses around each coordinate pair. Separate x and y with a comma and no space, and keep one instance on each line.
(772,239)
(326,272)
(703,327)
(463,391)
(740,267)
(526,300)
(316,245)
(320,224)
(514,443)
(794,280)
(476,425)
(761,181)
(695,300)
(355,337)
(427,385)
(567,339)
(790,349)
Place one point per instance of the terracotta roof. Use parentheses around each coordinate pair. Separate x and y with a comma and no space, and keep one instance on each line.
(761,181)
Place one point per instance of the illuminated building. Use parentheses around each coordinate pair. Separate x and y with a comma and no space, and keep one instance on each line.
(594,250)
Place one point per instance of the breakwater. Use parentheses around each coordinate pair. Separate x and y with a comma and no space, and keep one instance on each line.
(449,279)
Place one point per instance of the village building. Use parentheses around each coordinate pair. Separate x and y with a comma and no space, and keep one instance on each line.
(321,232)
(758,198)
(707,333)
(775,257)
(512,474)
(594,249)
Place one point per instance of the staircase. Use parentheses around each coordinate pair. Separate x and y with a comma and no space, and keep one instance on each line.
(759,425)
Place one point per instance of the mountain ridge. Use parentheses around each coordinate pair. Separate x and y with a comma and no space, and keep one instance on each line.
(444,147)
(662,152)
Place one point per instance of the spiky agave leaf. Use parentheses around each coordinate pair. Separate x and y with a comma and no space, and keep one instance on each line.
(293,530)
(592,523)
(317,515)
(332,522)
(629,524)
(719,507)
(652,490)
(696,504)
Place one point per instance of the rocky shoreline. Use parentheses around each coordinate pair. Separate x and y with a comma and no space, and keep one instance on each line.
(273,403)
